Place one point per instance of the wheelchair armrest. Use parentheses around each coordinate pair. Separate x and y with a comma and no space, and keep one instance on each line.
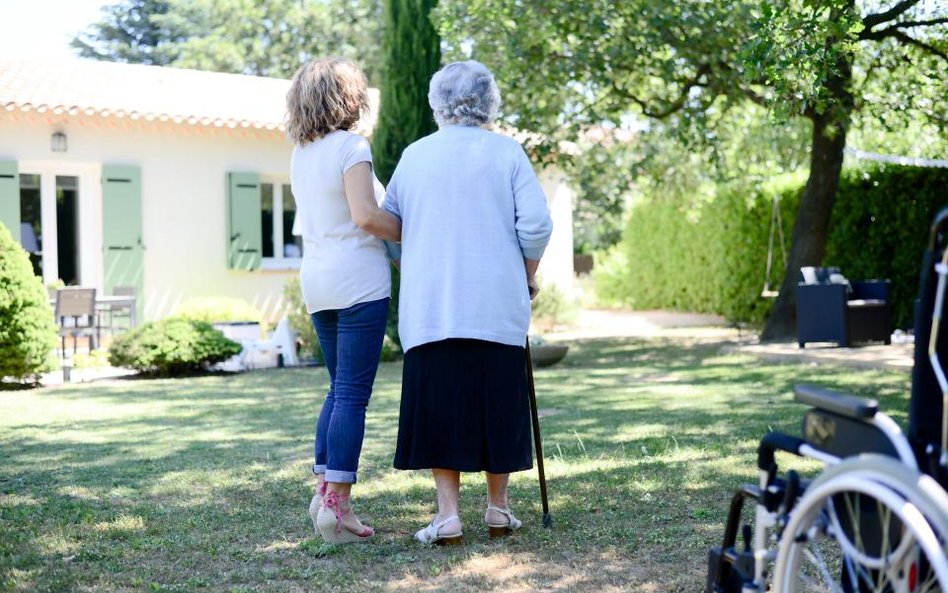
(849,406)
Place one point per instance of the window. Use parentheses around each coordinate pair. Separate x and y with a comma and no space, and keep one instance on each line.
(281,247)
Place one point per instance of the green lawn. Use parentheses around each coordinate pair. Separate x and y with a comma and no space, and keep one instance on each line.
(202,484)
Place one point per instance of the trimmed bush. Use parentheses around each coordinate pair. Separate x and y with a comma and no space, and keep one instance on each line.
(299,319)
(712,258)
(217,310)
(27,329)
(172,346)
(551,308)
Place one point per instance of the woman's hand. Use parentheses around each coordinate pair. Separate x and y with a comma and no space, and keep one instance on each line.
(533,287)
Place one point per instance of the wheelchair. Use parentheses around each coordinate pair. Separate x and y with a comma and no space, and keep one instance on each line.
(875,519)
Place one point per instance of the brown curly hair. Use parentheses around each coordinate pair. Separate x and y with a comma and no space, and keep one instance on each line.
(325,95)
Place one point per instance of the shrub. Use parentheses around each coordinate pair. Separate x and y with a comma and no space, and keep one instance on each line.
(217,310)
(27,329)
(299,319)
(711,257)
(551,307)
(172,346)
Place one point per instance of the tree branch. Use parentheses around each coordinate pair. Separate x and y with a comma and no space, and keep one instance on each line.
(673,107)
(921,44)
(893,13)
(888,31)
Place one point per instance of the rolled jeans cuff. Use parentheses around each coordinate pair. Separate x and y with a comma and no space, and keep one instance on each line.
(318,470)
(338,476)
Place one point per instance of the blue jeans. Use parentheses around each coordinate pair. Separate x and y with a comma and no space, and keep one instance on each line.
(351,340)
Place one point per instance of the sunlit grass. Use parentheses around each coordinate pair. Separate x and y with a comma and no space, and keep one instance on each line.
(203,483)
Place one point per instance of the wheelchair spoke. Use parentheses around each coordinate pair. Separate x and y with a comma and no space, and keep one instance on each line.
(854,534)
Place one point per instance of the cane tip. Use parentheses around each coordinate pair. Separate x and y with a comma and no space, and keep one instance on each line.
(547,520)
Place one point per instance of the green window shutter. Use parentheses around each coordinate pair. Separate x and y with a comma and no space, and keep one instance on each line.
(244,222)
(122,244)
(10,198)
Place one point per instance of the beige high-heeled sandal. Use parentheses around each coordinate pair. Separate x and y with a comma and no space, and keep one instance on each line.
(317,502)
(496,530)
(432,533)
(329,522)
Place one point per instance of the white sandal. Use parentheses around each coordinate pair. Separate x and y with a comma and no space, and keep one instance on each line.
(501,529)
(432,533)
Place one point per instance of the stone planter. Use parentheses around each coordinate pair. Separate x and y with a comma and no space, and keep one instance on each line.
(544,355)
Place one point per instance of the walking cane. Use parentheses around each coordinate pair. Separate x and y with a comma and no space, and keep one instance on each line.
(547,519)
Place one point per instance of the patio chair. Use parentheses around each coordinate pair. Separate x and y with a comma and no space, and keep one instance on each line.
(119,312)
(76,316)
(831,308)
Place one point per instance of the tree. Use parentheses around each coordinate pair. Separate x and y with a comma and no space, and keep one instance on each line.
(263,38)
(412,54)
(581,64)
(129,32)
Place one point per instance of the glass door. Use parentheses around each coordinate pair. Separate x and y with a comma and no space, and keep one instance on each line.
(67,228)
(31,220)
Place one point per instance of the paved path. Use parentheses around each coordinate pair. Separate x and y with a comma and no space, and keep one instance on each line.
(596,323)
(647,324)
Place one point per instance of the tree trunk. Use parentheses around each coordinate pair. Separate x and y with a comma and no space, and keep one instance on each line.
(811,228)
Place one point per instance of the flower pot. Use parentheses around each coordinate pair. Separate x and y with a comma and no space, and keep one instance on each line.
(544,355)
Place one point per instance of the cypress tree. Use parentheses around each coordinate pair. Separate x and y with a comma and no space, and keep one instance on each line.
(412,54)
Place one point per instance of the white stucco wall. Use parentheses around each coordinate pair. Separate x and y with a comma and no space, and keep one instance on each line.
(183,176)
(556,267)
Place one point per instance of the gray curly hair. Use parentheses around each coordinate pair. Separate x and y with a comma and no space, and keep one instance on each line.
(464,93)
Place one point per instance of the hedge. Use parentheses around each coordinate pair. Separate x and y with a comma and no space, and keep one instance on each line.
(711,258)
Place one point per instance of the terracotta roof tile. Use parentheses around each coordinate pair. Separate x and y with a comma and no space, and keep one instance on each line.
(111,89)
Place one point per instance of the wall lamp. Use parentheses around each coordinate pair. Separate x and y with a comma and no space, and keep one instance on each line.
(58,142)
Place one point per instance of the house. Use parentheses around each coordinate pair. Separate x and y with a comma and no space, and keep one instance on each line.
(173,181)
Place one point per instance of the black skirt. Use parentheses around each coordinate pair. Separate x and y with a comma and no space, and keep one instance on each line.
(464,407)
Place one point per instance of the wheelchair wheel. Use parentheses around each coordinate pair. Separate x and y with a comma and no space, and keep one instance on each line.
(866,524)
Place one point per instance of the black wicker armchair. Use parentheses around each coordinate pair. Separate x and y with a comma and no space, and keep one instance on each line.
(832,309)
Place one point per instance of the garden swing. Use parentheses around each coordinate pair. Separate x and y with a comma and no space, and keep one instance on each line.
(776,225)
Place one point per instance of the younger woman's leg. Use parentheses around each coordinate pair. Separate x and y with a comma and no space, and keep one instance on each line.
(359,330)
(325,323)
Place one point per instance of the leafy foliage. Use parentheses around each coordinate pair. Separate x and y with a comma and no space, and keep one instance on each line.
(712,257)
(27,330)
(551,307)
(299,318)
(265,38)
(172,346)
(412,55)
(584,64)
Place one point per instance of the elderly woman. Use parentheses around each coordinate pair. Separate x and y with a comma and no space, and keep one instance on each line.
(474,225)
(345,274)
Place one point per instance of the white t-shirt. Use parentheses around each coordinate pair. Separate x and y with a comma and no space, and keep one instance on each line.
(342,264)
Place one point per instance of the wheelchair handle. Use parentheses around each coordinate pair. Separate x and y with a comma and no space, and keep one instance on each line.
(773,442)
(938,225)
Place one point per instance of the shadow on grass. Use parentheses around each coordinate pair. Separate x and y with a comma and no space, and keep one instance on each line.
(203,483)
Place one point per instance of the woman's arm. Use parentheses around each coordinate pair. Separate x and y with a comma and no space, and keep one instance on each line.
(360,193)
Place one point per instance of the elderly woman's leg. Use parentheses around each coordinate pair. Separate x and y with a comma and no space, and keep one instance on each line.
(500,521)
(445,528)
